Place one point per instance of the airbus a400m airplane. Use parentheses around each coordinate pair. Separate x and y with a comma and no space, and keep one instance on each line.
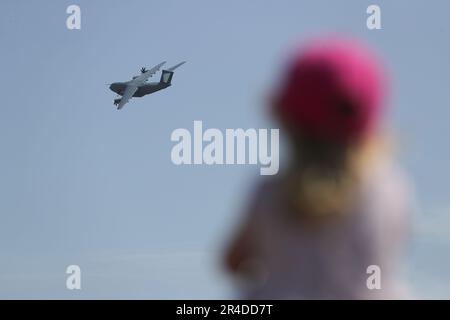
(138,85)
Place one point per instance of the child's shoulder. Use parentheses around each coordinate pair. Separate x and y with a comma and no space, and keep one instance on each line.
(390,179)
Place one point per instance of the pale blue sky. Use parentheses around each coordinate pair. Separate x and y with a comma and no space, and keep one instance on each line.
(82,183)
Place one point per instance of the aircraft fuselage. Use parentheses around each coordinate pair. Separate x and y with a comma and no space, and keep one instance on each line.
(143,89)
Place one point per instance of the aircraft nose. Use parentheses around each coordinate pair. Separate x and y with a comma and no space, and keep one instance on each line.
(113,86)
(117,87)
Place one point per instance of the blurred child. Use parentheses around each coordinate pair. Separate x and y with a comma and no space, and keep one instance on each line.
(341,205)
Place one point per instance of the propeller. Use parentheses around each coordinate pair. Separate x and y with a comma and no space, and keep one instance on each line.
(143,70)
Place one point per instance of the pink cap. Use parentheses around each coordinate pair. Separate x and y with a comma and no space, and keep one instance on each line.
(333,89)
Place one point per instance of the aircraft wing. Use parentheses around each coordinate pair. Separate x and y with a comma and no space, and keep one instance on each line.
(129,92)
(176,66)
(147,74)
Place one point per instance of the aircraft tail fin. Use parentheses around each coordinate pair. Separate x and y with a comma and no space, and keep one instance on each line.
(166,76)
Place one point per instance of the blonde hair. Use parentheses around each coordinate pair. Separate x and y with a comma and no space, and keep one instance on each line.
(324,176)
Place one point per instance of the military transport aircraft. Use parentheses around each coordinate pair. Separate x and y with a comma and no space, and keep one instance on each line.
(138,85)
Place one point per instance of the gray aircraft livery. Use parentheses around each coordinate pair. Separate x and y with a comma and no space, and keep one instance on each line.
(138,85)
